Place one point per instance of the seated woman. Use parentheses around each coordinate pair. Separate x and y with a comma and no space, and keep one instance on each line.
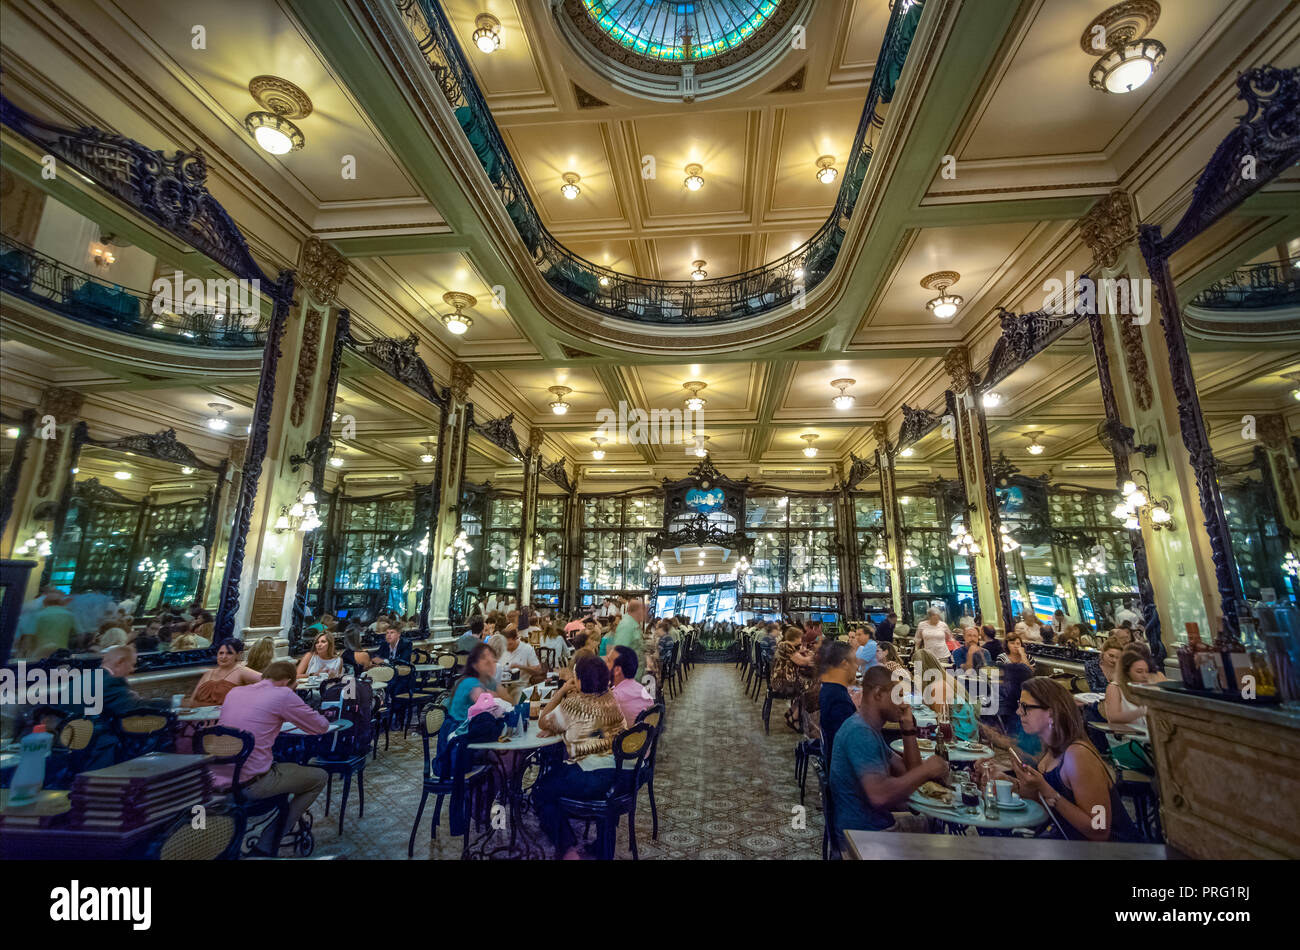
(792,674)
(212,687)
(355,656)
(261,654)
(1101,670)
(321,658)
(940,690)
(1070,779)
(1133,668)
(589,717)
(479,676)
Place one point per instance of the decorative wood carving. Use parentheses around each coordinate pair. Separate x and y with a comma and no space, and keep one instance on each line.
(163,446)
(956,363)
(306,375)
(462,378)
(1108,227)
(916,423)
(1135,361)
(321,270)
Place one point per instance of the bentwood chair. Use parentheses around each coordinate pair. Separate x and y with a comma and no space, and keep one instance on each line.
(143,730)
(216,840)
(458,779)
(75,736)
(631,748)
(654,718)
(546,656)
(382,709)
(347,757)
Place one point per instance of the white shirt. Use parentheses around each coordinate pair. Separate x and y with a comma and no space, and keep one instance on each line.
(524,655)
(1033,634)
(558,644)
(934,637)
(1125,614)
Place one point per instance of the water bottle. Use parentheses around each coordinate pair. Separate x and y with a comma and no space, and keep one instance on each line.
(991,801)
(29,777)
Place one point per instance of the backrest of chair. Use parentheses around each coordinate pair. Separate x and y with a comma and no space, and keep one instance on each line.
(653,717)
(828,816)
(546,655)
(214,838)
(75,733)
(446,661)
(631,748)
(144,721)
(403,672)
(419,656)
(430,726)
(227,746)
(381,674)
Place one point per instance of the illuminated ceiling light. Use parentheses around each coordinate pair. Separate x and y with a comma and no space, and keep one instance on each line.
(701,446)
(945,305)
(1035,447)
(559,406)
(826,172)
(122,476)
(334,415)
(427,457)
(274,133)
(604,280)
(798,273)
(487,33)
(810,450)
(694,177)
(336,461)
(219,423)
(1128,60)
(695,403)
(598,452)
(13,432)
(281,101)
(187,470)
(459,321)
(1295,394)
(570,187)
(101,255)
(699,273)
(843,400)
(992,399)
(907,453)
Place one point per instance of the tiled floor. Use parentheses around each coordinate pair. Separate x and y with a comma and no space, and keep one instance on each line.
(725,790)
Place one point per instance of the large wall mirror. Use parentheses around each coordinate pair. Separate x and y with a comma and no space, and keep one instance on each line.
(492,521)
(936,571)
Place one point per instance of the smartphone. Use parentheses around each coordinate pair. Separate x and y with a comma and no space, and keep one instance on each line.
(1016,755)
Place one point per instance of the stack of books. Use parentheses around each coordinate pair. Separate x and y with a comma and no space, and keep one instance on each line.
(140,792)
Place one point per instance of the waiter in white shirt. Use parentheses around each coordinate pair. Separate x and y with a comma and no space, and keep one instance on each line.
(932,634)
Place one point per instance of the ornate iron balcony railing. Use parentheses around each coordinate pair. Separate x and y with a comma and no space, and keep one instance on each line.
(645,300)
(1254,287)
(49,283)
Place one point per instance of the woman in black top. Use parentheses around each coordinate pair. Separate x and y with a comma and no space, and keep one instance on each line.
(836,667)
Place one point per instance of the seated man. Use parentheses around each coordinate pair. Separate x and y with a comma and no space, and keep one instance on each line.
(632,697)
(869,783)
(395,648)
(971,655)
(471,637)
(866,648)
(521,656)
(260,709)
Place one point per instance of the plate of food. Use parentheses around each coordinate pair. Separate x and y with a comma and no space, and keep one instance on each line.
(925,745)
(970,745)
(932,793)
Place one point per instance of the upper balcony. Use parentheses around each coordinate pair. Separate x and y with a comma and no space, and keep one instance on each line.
(1259,300)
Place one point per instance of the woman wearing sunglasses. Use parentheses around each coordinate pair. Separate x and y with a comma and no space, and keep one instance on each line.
(1071,779)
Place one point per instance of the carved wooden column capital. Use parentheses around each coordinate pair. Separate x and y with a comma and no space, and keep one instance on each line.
(1108,227)
(63,404)
(321,270)
(462,378)
(956,362)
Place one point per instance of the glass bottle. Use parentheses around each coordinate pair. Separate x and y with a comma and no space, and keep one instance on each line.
(991,800)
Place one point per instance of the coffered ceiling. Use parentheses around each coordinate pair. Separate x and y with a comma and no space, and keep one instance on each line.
(999,85)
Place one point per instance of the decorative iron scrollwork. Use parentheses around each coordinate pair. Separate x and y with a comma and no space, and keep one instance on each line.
(401,360)
(163,446)
(916,424)
(556,473)
(501,433)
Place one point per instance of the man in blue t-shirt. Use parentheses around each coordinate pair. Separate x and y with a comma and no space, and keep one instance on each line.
(868,781)
(866,652)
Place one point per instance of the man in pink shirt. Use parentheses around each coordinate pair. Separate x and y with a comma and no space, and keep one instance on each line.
(260,709)
(632,697)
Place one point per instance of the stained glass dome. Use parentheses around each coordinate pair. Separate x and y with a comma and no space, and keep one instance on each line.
(682,32)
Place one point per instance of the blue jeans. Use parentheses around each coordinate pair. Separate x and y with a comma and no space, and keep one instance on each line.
(567,781)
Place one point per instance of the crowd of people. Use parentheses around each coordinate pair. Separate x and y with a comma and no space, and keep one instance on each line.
(54,624)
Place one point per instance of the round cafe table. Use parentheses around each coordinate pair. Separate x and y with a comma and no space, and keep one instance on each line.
(199,714)
(953,817)
(509,760)
(294,745)
(955,752)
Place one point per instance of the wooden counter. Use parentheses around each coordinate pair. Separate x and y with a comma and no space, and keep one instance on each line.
(1229,774)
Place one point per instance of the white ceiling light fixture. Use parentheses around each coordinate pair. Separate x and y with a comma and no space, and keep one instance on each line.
(487,33)
(281,101)
(695,402)
(944,306)
(336,461)
(122,476)
(458,321)
(598,452)
(826,173)
(844,400)
(219,423)
(907,452)
(701,446)
(187,470)
(570,187)
(810,450)
(699,273)
(559,406)
(13,432)
(427,457)
(1128,59)
(694,177)
(1035,447)
(992,399)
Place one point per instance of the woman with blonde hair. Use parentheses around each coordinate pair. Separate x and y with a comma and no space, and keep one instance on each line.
(261,654)
(939,688)
(321,658)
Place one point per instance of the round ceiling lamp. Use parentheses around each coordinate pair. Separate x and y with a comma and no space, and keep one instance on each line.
(826,173)
(694,177)
(598,452)
(122,476)
(427,456)
(945,305)
(570,187)
(281,101)
(336,461)
(699,273)
(695,402)
(992,399)
(1035,447)
(559,406)
(1128,59)
(844,400)
(701,446)
(810,450)
(459,321)
(487,33)
(907,452)
(219,423)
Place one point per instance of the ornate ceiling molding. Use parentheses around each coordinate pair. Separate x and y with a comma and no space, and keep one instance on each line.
(1109,227)
(321,270)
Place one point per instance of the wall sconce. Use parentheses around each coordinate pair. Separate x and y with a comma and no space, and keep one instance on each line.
(300,516)
(102,256)
(963,542)
(1137,502)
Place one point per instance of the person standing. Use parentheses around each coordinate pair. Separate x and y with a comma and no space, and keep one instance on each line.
(628,632)
(54,627)
(885,631)
(933,634)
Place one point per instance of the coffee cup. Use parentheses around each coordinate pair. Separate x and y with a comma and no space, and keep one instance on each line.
(1002,789)
(177,699)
